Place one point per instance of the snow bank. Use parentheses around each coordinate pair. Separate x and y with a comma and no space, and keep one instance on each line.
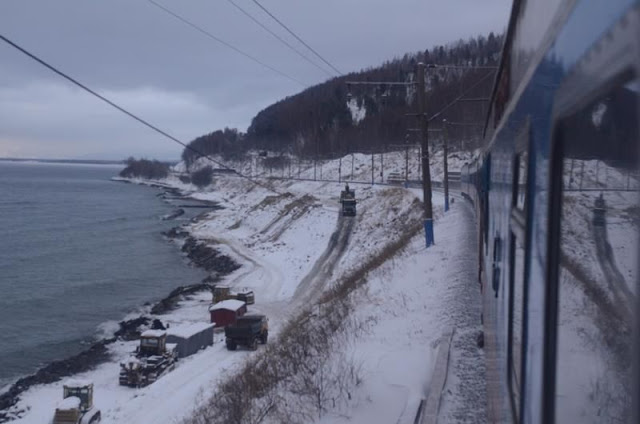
(279,237)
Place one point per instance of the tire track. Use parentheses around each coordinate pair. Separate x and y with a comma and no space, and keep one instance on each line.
(615,280)
(315,281)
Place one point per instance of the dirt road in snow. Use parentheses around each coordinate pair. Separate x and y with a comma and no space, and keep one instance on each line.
(617,284)
(315,281)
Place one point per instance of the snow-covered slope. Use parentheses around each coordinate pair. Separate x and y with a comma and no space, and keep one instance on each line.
(293,245)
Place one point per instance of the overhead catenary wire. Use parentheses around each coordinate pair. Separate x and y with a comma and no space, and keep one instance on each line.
(221,41)
(460,97)
(282,40)
(296,37)
(126,112)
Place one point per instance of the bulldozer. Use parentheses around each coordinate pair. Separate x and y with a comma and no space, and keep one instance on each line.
(77,406)
(348,200)
(221,293)
(152,357)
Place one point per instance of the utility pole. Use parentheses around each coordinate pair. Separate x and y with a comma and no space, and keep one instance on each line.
(446,168)
(351,166)
(372,169)
(406,160)
(340,169)
(426,172)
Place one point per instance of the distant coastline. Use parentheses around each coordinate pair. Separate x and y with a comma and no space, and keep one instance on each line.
(66,161)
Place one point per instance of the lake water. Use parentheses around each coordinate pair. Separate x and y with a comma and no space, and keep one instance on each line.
(76,250)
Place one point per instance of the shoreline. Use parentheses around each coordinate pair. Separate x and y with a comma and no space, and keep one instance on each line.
(199,254)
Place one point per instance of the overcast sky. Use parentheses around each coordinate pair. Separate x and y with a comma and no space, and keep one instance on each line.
(179,79)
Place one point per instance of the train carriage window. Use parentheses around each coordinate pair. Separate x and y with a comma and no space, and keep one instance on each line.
(522,180)
(517,269)
(521,164)
(598,259)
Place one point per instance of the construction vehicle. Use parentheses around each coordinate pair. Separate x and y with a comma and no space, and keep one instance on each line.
(599,212)
(77,406)
(221,293)
(152,357)
(248,330)
(395,178)
(348,200)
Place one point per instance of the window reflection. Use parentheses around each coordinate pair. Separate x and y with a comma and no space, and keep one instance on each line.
(598,266)
(516,323)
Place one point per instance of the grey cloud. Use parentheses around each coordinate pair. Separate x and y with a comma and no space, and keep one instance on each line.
(182,81)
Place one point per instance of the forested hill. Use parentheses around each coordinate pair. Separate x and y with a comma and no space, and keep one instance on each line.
(336,118)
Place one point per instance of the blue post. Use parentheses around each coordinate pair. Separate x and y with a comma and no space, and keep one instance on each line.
(428,232)
(446,204)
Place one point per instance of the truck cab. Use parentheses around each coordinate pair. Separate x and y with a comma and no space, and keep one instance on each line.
(152,343)
(248,330)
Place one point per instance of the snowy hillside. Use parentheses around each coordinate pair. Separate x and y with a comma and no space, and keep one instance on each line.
(295,250)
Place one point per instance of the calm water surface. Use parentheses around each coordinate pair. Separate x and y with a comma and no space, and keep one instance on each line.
(76,250)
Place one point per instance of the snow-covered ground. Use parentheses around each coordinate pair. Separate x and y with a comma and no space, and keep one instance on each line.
(293,245)
(352,167)
(598,277)
(411,302)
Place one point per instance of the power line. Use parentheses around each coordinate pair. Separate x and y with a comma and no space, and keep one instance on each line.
(297,38)
(283,41)
(460,97)
(436,66)
(219,40)
(126,112)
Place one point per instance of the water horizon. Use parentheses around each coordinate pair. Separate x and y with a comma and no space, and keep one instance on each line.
(80,252)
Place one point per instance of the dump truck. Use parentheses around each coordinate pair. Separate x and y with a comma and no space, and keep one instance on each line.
(348,200)
(152,357)
(77,406)
(221,293)
(248,330)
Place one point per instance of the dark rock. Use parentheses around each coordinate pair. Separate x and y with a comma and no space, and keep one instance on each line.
(176,232)
(130,330)
(169,302)
(157,325)
(174,215)
(211,279)
(208,258)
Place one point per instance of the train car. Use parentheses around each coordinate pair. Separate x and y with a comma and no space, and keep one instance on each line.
(556,194)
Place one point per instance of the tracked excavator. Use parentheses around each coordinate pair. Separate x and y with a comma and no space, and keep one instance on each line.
(77,406)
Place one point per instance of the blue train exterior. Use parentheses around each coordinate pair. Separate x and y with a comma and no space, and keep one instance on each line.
(562,130)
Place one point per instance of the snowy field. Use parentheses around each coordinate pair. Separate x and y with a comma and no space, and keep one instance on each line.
(293,245)
(597,292)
